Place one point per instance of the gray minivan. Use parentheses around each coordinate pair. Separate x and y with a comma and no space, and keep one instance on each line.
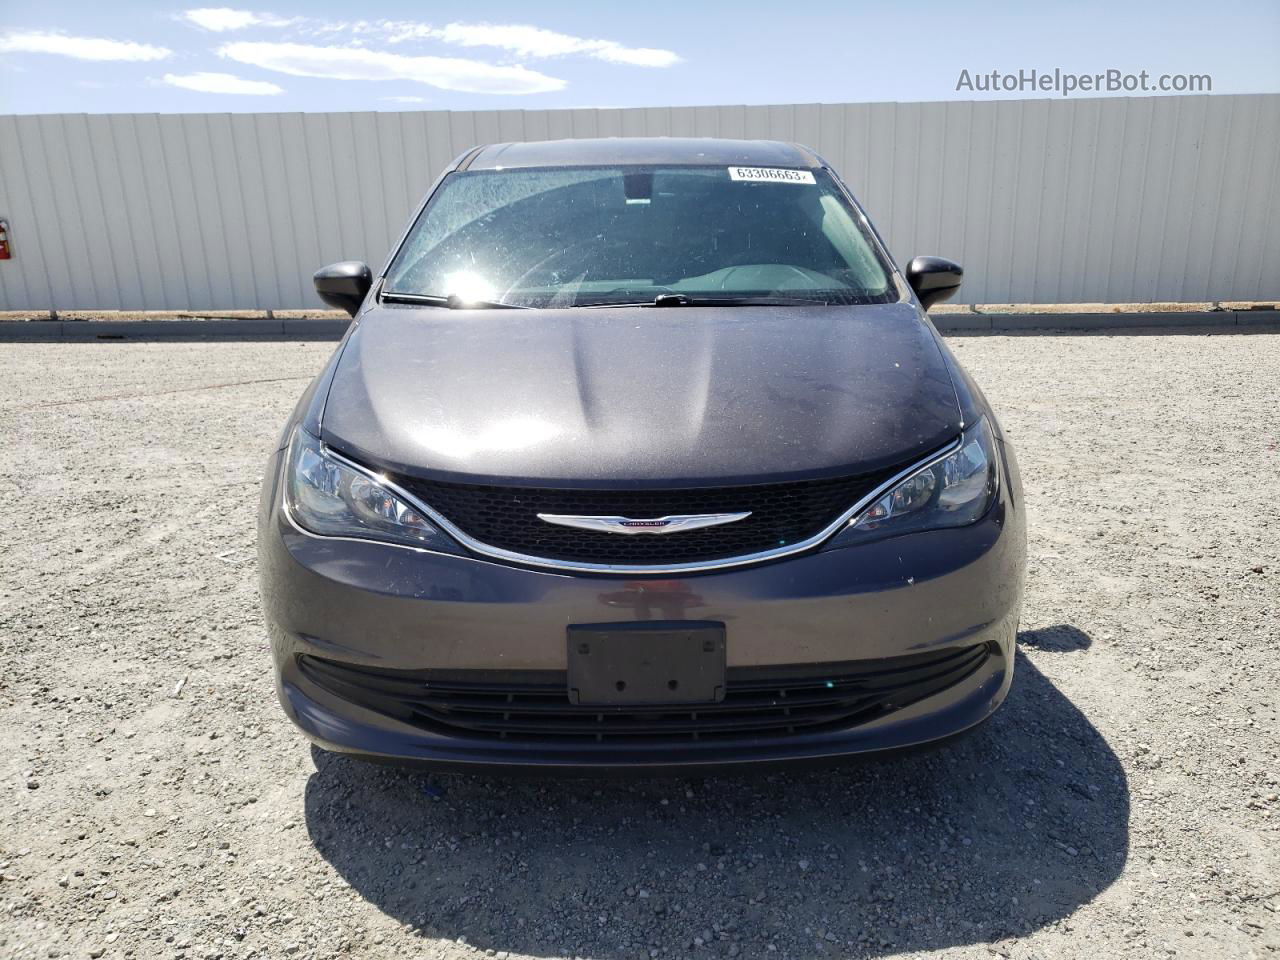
(640,453)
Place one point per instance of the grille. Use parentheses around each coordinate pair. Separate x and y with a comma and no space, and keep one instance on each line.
(534,706)
(507,517)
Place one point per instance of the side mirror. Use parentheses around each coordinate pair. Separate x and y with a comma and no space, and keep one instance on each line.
(344,285)
(934,279)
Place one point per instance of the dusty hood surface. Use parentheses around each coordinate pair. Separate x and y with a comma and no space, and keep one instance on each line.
(669,395)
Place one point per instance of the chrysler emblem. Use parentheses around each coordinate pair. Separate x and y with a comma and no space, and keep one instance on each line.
(627,525)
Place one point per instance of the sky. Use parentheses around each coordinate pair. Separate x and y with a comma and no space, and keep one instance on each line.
(128,56)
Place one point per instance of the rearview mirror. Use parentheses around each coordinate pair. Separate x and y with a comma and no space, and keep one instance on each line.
(344,285)
(934,279)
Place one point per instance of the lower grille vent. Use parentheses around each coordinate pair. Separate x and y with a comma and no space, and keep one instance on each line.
(759,701)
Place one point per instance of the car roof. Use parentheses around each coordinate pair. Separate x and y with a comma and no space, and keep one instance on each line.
(607,151)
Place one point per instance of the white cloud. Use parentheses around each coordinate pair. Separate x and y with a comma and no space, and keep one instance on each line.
(404,99)
(529,41)
(219,19)
(81,48)
(222,83)
(520,39)
(352,63)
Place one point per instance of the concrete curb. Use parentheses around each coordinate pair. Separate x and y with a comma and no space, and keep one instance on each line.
(998,322)
(1257,318)
(332,328)
(228,328)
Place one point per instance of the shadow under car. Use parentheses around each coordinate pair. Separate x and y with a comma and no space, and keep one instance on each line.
(993,835)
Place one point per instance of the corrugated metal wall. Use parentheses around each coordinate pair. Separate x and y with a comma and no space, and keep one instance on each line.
(1161,198)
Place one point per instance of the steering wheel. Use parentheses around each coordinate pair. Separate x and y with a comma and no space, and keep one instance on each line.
(556,255)
(775,268)
(657,289)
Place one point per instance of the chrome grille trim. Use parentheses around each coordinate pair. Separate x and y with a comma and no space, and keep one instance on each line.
(512,557)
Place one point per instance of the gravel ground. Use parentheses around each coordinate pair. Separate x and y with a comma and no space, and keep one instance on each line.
(1123,803)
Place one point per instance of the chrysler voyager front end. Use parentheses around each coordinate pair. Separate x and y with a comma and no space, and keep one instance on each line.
(640,454)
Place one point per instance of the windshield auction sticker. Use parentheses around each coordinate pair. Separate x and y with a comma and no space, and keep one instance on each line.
(770,175)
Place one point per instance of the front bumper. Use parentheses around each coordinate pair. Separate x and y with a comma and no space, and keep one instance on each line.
(377,606)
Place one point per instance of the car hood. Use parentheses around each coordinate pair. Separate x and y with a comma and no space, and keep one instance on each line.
(685,395)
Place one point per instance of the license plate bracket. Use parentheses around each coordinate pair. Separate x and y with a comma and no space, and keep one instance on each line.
(651,662)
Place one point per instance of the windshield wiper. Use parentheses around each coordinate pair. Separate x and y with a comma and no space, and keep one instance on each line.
(452,301)
(684,300)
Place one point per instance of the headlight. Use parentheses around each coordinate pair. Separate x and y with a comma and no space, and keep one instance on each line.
(330,498)
(950,492)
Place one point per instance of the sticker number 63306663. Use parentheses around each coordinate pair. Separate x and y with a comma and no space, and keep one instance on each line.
(771,175)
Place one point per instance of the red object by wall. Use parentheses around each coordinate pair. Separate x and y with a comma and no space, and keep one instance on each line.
(5,253)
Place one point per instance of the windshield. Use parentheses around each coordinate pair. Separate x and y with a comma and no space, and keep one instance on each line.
(578,236)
